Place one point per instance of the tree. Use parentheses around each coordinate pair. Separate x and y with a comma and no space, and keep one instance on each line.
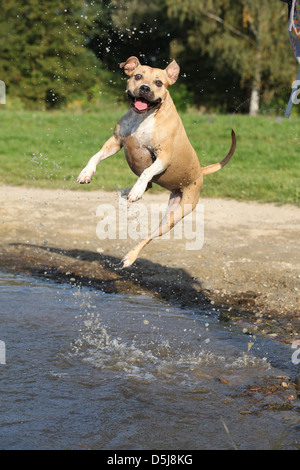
(249,36)
(131,27)
(44,58)
(142,29)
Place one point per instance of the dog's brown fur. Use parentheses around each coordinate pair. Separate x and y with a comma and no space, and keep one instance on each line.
(156,146)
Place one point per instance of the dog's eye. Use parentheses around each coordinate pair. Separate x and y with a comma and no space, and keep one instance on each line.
(138,76)
(158,83)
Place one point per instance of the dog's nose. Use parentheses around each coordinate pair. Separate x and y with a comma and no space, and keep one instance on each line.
(145,88)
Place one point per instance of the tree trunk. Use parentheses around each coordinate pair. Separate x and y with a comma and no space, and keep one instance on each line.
(254,100)
(256,85)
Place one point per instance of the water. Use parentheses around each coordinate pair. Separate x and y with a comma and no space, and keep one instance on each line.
(88,370)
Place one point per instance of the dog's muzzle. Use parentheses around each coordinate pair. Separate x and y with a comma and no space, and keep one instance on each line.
(142,103)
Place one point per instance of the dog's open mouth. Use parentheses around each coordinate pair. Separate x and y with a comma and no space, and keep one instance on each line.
(141,105)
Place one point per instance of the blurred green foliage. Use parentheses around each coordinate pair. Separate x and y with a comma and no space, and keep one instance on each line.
(57,52)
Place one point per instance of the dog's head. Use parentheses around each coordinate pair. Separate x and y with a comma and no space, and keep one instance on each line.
(147,87)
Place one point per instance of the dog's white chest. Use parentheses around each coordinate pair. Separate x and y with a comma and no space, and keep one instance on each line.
(139,126)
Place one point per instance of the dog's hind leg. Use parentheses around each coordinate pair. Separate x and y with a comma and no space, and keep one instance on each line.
(181,203)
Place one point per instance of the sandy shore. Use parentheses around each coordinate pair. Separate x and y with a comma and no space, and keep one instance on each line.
(248,268)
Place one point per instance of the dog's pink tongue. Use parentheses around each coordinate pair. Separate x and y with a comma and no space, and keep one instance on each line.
(140,105)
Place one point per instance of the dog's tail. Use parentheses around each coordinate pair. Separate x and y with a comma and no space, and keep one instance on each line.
(207,170)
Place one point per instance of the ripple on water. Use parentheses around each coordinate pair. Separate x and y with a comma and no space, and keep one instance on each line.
(127,372)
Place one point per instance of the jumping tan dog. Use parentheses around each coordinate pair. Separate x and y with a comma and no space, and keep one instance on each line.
(156,146)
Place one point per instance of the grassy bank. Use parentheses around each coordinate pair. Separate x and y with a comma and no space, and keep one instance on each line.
(49,149)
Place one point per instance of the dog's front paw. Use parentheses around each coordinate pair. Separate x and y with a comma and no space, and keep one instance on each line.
(86,175)
(137,191)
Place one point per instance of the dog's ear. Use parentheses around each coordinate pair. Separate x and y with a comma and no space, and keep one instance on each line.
(130,65)
(172,72)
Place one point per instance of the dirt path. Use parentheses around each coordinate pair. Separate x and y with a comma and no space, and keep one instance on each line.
(248,268)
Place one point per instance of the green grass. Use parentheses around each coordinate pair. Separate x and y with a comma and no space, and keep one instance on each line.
(48,149)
